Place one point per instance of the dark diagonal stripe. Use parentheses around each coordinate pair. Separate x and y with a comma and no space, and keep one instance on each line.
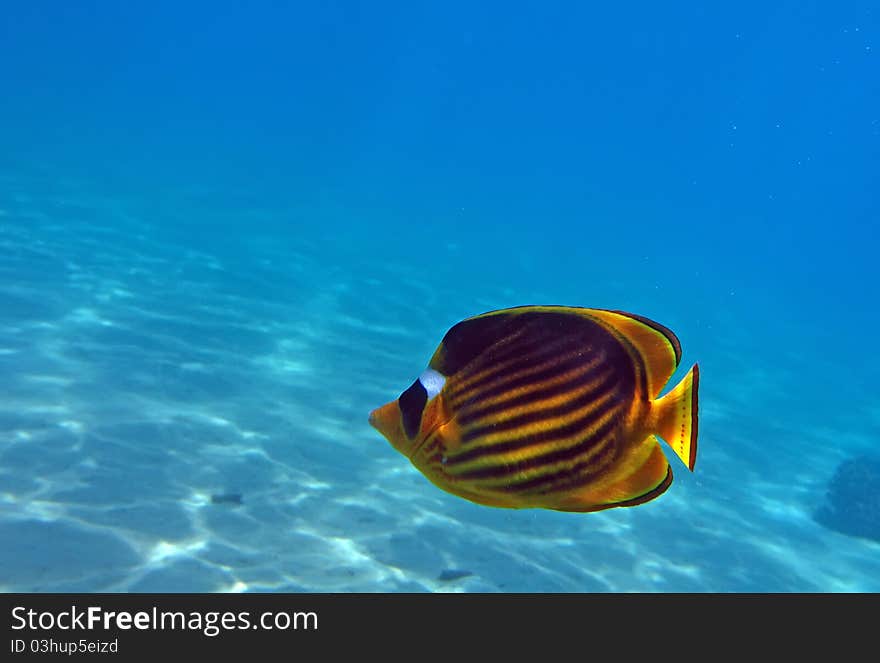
(530,373)
(505,348)
(580,428)
(560,481)
(542,393)
(502,350)
(582,369)
(497,351)
(602,390)
(473,380)
(475,377)
(578,476)
(519,359)
(584,449)
(524,342)
(431,449)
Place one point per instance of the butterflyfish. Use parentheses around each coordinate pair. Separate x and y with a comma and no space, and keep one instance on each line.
(551,407)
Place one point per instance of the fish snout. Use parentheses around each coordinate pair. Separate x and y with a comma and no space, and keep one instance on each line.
(387,420)
(384,418)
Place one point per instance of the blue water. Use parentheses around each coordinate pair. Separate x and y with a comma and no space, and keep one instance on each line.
(230,230)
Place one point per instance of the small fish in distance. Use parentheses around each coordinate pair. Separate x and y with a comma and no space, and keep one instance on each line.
(236,499)
(550,407)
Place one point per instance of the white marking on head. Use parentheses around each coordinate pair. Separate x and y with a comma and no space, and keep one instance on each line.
(432,381)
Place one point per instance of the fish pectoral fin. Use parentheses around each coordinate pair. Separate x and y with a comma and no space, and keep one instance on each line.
(650,478)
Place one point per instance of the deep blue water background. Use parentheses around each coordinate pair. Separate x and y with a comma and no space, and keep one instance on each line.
(271,213)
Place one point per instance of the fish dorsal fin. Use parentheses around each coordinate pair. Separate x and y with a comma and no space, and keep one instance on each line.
(657,346)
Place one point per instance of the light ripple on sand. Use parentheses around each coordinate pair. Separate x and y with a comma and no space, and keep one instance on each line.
(328,506)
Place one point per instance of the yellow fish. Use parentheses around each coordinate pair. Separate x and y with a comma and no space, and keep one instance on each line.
(550,407)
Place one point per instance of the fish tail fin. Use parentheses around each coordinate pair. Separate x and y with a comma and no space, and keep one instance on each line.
(676,417)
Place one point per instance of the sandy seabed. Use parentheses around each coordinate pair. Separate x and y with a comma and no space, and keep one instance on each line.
(176,420)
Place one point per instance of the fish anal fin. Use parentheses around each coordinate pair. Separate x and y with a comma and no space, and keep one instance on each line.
(649,479)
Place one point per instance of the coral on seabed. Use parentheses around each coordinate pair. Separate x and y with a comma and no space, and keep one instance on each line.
(853,499)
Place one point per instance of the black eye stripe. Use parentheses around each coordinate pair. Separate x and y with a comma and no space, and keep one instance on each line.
(412,404)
